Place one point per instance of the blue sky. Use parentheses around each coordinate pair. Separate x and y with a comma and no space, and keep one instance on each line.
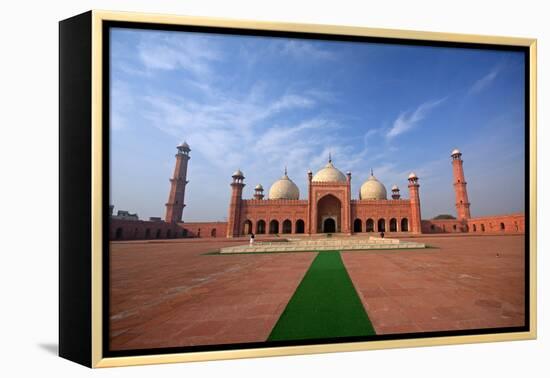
(260,104)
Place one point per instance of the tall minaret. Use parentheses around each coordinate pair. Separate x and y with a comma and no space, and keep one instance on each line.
(175,204)
(310,217)
(462,203)
(234,218)
(414,196)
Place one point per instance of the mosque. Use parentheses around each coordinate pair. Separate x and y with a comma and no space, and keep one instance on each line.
(329,208)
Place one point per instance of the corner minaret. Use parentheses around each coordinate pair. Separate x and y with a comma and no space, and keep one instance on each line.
(175,204)
(259,191)
(395,192)
(414,196)
(234,218)
(462,203)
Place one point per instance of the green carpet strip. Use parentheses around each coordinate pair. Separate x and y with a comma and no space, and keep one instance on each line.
(325,305)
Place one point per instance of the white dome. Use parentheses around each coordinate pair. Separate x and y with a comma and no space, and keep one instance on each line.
(395,187)
(456,151)
(259,187)
(238,173)
(412,175)
(372,189)
(329,174)
(284,188)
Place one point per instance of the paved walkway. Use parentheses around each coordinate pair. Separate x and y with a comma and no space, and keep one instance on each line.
(166,294)
(461,285)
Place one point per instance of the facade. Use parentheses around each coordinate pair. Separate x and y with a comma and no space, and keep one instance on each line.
(328,207)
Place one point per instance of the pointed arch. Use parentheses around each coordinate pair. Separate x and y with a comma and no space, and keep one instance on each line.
(299,226)
(393,225)
(357,225)
(287,226)
(274,226)
(247,227)
(260,227)
(370,225)
(404,225)
(381,225)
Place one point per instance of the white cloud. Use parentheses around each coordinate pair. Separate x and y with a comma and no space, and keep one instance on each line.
(299,49)
(221,128)
(485,81)
(407,120)
(192,53)
(122,102)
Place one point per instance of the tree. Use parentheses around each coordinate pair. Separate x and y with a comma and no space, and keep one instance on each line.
(444,216)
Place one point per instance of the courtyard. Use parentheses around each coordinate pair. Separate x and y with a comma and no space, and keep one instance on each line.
(183,292)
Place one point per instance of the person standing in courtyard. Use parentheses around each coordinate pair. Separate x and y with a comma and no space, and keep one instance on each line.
(251,238)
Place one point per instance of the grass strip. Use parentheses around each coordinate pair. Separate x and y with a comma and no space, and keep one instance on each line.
(325,305)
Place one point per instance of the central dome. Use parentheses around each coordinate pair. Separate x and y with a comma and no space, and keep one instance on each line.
(284,188)
(372,189)
(329,174)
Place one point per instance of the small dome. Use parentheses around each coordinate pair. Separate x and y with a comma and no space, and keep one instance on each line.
(456,151)
(412,175)
(238,173)
(329,174)
(284,188)
(395,187)
(372,189)
(184,147)
(259,187)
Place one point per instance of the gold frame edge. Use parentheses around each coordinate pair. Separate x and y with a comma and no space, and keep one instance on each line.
(97,194)
(98,16)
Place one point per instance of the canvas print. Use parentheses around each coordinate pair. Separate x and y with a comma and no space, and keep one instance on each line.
(275,190)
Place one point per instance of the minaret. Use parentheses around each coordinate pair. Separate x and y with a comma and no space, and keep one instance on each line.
(395,192)
(259,192)
(175,204)
(347,224)
(462,203)
(310,216)
(414,195)
(234,218)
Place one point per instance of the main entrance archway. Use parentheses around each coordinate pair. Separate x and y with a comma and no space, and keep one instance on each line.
(329,219)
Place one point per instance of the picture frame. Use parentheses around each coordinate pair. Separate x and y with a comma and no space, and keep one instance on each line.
(86,223)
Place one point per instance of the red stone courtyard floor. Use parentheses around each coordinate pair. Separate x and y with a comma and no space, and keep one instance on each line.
(169,293)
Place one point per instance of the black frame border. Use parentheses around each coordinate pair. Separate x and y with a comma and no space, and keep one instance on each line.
(107,25)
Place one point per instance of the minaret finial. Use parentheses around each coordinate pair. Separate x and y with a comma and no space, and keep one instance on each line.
(329,157)
(371,172)
(285,171)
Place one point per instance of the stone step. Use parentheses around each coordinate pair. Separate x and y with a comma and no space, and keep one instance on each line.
(323,246)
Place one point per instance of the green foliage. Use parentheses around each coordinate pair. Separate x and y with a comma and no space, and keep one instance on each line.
(444,216)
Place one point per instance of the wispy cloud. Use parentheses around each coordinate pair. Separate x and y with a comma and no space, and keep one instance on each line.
(244,104)
(194,54)
(122,102)
(485,81)
(300,49)
(408,120)
(218,128)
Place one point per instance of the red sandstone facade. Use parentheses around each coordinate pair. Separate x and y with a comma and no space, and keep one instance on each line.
(329,208)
